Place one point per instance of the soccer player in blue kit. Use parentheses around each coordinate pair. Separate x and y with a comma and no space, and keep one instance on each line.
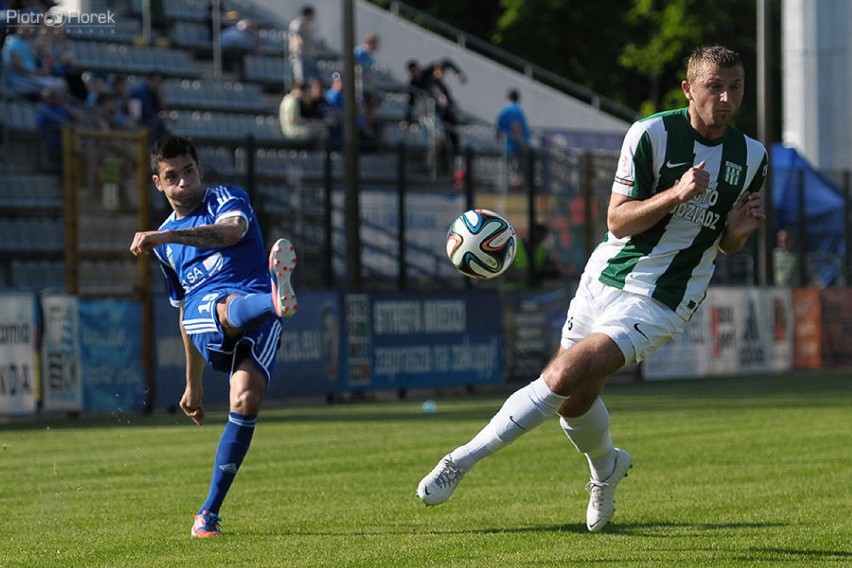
(231,301)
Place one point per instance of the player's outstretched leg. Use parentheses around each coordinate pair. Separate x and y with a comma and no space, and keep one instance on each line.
(526,409)
(282,261)
(602,493)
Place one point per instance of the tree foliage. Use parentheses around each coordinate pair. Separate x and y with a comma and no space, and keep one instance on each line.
(632,51)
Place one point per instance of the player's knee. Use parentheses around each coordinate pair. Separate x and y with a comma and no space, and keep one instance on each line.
(246,402)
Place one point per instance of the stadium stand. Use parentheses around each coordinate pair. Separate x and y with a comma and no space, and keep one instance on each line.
(233,121)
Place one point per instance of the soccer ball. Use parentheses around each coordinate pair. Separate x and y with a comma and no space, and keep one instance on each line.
(481,244)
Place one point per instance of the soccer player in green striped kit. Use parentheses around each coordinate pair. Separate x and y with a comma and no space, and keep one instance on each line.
(686,187)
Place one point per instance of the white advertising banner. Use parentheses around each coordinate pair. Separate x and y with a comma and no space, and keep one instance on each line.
(736,331)
(686,356)
(60,354)
(18,380)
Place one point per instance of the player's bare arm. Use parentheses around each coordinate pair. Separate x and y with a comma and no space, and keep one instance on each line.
(191,401)
(224,233)
(745,218)
(627,216)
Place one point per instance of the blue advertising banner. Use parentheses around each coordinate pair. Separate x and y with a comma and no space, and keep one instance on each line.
(110,356)
(417,340)
(309,360)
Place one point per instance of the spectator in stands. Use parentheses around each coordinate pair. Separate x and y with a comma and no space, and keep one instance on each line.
(418,85)
(313,104)
(334,111)
(785,260)
(243,37)
(512,126)
(54,112)
(147,107)
(54,52)
(296,126)
(445,105)
(303,44)
(121,93)
(533,249)
(365,59)
(24,73)
(107,116)
(98,85)
(429,82)
(335,118)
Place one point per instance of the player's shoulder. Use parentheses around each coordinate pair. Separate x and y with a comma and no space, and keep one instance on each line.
(224,192)
(756,150)
(168,221)
(660,125)
(663,119)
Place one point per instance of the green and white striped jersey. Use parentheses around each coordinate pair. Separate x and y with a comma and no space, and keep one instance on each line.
(674,260)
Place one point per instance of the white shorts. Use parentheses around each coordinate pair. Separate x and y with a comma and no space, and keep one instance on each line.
(639,325)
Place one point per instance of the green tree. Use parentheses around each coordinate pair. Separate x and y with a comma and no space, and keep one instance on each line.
(632,51)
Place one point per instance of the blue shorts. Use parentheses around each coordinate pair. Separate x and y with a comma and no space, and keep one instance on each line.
(260,342)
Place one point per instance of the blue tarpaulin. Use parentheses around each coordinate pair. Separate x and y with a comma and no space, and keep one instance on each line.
(824,212)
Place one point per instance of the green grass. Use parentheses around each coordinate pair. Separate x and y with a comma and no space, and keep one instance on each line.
(730,472)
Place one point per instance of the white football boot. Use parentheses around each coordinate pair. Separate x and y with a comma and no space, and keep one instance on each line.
(439,485)
(282,261)
(602,493)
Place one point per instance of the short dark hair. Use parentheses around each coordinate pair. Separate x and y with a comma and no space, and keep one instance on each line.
(717,55)
(170,147)
(513,95)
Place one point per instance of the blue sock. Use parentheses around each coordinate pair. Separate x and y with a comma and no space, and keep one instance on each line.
(250,310)
(233,446)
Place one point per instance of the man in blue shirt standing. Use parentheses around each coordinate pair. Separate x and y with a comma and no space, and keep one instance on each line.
(512,125)
(231,301)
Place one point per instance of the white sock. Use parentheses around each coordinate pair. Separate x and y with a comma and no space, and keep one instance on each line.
(590,435)
(525,409)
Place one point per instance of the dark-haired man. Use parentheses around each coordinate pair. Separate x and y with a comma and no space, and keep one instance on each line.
(230,299)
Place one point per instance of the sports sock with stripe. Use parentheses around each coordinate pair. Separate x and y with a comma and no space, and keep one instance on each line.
(247,311)
(233,446)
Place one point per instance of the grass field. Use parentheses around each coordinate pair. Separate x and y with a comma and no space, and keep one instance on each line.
(731,472)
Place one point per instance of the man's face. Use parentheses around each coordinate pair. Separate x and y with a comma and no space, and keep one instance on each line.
(179,179)
(714,98)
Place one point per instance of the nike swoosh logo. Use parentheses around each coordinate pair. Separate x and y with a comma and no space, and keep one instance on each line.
(642,333)
(426,490)
(669,164)
(516,423)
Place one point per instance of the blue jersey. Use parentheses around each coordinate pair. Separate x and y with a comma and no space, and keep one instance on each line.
(193,272)
(510,115)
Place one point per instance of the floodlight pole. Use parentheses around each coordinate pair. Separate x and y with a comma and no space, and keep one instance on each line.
(352,210)
(216,27)
(767,131)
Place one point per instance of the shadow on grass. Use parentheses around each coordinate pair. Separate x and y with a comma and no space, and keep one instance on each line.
(651,530)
